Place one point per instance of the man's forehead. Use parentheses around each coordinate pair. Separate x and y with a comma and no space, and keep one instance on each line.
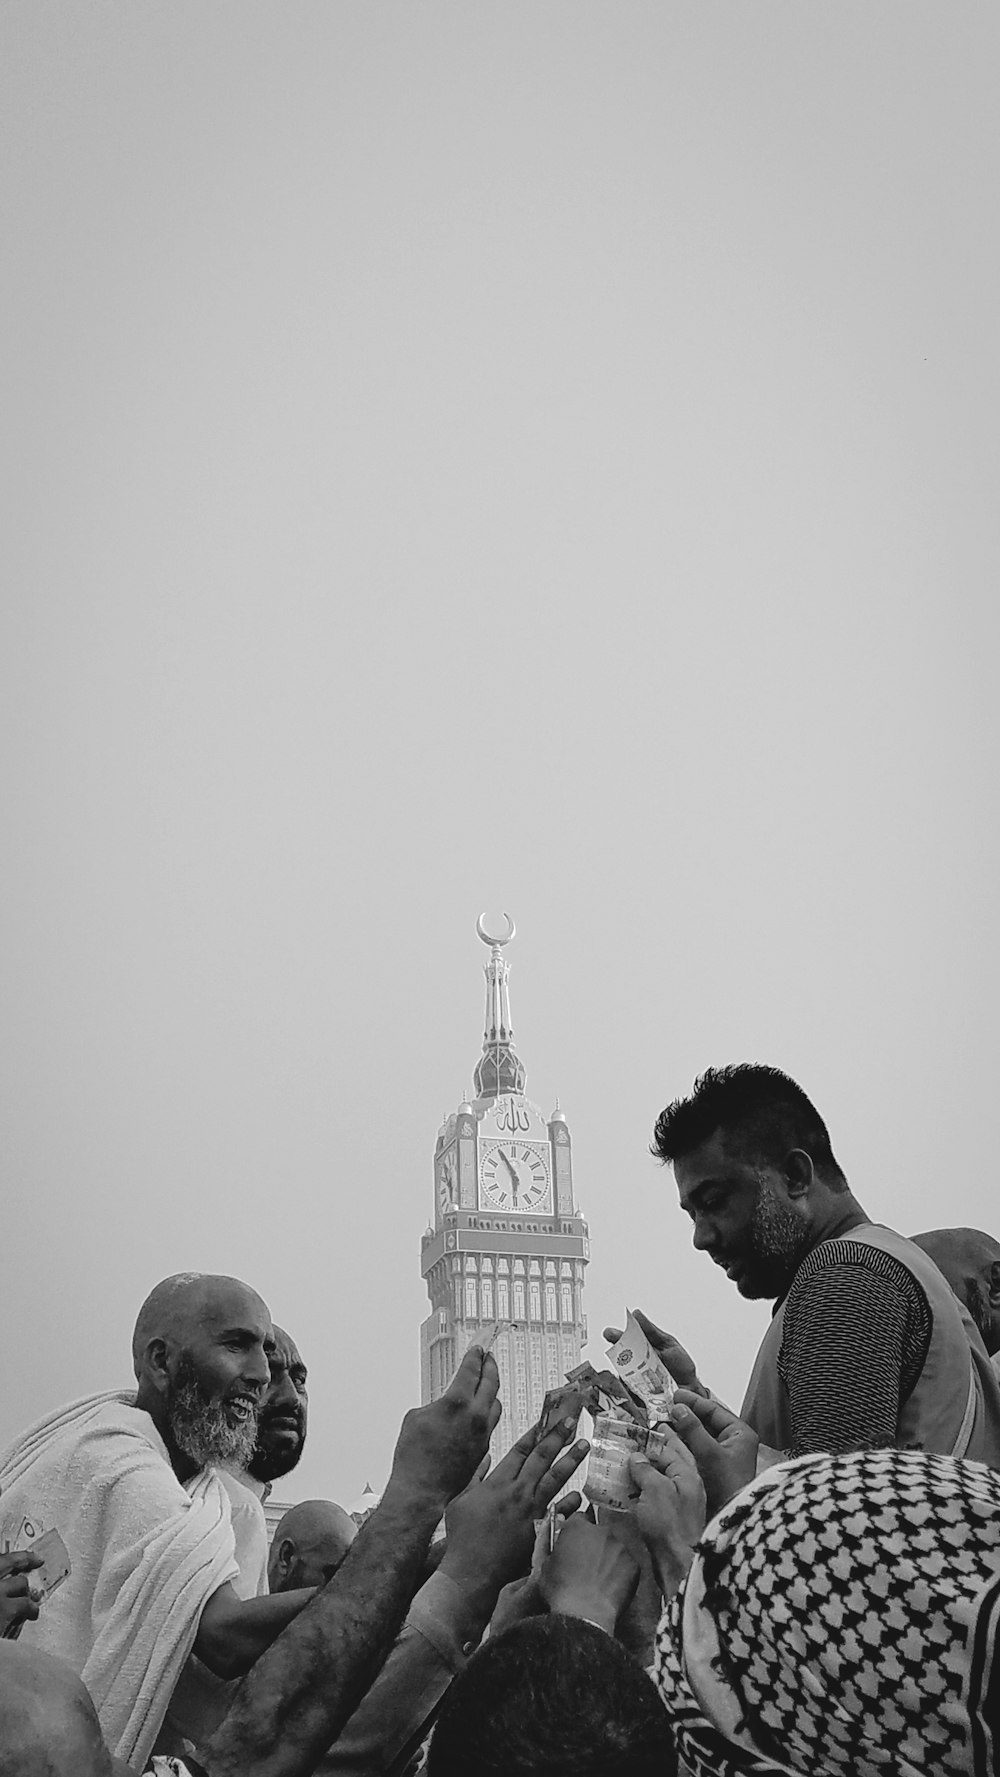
(236,1308)
(286,1352)
(712,1159)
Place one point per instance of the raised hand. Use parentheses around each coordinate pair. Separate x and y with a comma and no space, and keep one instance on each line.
(17,1605)
(670,1511)
(441,1446)
(679,1362)
(723,1446)
(491,1526)
(589,1573)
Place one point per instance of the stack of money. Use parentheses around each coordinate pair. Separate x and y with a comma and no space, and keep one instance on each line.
(628,1403)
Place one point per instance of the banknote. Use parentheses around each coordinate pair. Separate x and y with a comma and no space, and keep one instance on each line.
(642,1370)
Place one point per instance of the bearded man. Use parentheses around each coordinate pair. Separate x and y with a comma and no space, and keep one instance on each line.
(131,1480)
(868,1346)
(284,1416)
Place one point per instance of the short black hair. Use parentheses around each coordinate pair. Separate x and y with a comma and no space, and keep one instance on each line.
(552,1697)
(760,1106)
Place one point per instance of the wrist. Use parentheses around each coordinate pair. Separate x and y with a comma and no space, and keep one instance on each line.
(593,1607)
(597,1611)
(416,1502)
(672,1566)
(479,1584)
(475,1596)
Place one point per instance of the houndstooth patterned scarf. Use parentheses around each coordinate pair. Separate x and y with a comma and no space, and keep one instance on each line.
(840,1617)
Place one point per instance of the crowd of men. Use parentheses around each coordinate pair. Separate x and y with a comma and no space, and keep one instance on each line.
(811,1585)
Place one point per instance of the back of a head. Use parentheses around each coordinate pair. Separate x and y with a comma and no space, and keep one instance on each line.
(959,1252)
(48,1724)
(552,1697)
(309,1544)
(759,1108)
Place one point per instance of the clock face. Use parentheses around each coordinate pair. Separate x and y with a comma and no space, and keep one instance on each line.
(447,1177)
(515,1176)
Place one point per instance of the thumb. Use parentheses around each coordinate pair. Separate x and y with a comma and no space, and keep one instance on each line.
(642,1471)
(691,1432)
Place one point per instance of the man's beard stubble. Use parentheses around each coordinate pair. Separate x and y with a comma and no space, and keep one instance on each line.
(778,1236)
(979,1308)
(199,1424)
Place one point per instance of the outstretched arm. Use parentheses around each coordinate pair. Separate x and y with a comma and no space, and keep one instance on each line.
(490,1534)
(295,1701)
(233,1632)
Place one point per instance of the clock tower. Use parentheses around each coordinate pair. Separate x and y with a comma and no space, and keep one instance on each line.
(508,1243)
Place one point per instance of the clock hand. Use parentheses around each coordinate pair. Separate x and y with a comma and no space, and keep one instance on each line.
(515,1176)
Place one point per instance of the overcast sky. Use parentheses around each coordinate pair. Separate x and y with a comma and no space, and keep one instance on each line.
(536,457)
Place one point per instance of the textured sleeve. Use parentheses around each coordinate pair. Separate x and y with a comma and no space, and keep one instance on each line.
(857,1327)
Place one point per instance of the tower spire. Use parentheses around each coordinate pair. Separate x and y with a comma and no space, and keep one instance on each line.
(499,1068)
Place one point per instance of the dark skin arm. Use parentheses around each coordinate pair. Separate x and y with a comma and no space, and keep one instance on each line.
(302,1691)
(233,1631)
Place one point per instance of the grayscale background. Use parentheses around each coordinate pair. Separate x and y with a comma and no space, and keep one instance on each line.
(537,457)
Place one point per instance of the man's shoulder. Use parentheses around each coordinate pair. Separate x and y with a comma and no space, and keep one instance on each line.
(863,1255)
(95,1422)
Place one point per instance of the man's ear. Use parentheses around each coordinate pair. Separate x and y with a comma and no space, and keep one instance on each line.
(154,1365)
(286,1555)
(994,1285)
(799,1172)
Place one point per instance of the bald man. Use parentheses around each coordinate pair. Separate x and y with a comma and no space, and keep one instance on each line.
(131,1481)
(48,1724)
(308,1545)
(970,1261)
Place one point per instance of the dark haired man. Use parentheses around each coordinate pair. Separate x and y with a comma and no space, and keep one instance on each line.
(554,1696)
(868,1346)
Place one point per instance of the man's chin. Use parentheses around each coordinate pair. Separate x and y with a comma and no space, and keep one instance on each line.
(276,1460)
(755,1288)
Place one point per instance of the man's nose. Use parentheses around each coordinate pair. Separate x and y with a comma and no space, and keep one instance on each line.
(258,1369)
(701,1237)
(282,1393)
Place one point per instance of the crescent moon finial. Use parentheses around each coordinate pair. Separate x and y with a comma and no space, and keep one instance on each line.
(485,935)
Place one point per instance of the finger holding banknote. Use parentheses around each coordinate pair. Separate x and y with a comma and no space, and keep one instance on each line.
(675,1356)
(723,1445)
(18,1600)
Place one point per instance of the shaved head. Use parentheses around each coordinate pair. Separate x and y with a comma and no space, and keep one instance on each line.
(309,1544)
(200,1351)
(970,1260)
(182,1302)
(48,1724)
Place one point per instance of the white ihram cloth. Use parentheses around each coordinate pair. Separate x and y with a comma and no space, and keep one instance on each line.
(147,1553)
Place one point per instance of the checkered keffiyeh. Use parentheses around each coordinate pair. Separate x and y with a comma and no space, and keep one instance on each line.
(840,1618)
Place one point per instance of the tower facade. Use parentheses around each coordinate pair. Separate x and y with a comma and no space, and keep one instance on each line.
(508,1243)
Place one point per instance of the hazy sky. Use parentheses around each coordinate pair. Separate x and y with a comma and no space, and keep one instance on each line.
(537,457)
